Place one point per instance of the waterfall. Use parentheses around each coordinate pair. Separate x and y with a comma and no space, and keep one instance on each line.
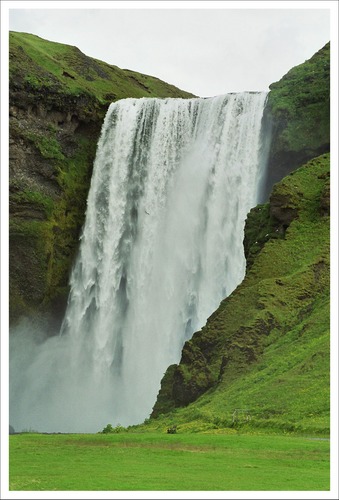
(162,245)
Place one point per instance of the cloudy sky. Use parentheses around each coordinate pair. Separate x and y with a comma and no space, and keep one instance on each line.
(207,48)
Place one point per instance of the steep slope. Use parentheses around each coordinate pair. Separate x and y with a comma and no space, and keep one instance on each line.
(298,116)
(58,99)
(262,360)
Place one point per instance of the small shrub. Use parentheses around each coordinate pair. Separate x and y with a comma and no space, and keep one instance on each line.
(172,430)
(107,429)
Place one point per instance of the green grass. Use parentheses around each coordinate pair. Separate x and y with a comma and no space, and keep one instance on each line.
(191,462)
(61,68)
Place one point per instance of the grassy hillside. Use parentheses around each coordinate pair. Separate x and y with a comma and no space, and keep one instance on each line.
(54,67)
(262,360)
(58,99)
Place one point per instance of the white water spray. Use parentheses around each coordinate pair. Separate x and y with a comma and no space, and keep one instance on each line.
(172,184)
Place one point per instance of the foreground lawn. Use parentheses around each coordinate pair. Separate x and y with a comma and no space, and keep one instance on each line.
(198,462)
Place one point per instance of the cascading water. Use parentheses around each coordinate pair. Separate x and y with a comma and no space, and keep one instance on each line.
(172,183)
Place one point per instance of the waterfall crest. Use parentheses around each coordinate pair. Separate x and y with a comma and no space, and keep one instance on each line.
(162,245)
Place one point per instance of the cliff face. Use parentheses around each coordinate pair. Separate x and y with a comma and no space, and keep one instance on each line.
(58,99)
(298,116)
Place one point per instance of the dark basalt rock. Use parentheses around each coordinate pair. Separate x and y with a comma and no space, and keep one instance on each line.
(283,209)
(192,377)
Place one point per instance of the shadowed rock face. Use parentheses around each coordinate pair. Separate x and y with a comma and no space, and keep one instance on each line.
(45,144)
(283,209)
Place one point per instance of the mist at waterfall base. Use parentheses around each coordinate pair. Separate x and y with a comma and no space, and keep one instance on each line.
(162,245)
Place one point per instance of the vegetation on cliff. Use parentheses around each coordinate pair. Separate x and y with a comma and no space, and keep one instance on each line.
(262,360)
(298,110)
(58,98)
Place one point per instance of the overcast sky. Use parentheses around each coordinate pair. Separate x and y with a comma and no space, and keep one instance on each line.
(207,51)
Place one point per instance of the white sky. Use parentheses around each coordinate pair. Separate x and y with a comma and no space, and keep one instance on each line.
(207,48)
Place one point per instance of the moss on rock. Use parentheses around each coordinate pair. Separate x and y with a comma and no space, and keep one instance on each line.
(298,108)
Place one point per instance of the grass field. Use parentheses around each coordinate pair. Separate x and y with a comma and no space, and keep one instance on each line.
(168,462)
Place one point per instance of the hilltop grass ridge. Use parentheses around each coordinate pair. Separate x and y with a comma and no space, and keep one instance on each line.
(55,67)
(261,362)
